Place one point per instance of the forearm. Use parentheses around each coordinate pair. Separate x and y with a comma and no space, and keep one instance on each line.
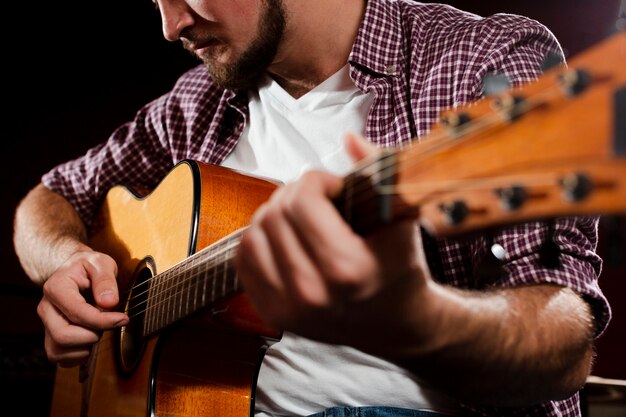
(47,231)
(505,348)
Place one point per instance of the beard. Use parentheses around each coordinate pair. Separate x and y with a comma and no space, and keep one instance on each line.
(245,72)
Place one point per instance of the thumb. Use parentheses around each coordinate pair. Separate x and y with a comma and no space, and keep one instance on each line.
(102,271)
(358,148)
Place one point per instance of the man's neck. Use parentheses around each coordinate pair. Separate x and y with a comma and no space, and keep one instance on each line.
(317,42)
(297,87)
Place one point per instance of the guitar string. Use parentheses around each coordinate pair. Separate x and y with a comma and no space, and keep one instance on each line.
(436,143)
(179,286)
(205,256)
(440,140)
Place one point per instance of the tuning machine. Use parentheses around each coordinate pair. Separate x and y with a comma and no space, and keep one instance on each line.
(455,212)
(576,186)
(512,197)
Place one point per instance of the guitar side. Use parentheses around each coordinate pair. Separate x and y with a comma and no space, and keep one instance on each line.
(202,366)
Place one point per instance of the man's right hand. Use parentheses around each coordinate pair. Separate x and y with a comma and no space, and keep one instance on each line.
(72,324)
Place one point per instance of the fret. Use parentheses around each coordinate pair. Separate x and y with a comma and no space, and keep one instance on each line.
(149,305)
(228,275)
(184,291)
(158,294)
(196,284)
(226,287)
(224,275)
(213,285)
(161,298)
(184,288)
(171,299)
(163,285)
(177,312)
(205,282)
(134,305)
(169,282)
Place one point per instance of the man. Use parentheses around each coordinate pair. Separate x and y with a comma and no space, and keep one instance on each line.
(391,320)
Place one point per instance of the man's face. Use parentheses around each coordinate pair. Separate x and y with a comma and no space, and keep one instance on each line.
(236,39)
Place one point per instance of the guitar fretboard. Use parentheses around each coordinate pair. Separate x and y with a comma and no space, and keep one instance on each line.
(191,285)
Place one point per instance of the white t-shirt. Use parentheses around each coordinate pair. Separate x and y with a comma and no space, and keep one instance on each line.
(284,138)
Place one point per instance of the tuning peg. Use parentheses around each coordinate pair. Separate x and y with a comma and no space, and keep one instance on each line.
(455,212)
(512,197)
(454,120)
(575,81)
(509,106)
(551,60)
(576,186)
(495,84)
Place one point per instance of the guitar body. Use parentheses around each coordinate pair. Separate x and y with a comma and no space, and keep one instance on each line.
(204,365)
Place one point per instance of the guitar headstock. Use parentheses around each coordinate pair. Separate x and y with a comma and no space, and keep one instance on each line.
(552,148)
(555,147)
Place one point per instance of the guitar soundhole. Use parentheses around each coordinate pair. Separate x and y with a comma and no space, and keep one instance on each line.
(130,338)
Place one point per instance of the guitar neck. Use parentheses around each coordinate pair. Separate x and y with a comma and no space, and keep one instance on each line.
(191,285)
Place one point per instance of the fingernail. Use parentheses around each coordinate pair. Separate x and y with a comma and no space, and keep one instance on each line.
(121,323)
(107,296)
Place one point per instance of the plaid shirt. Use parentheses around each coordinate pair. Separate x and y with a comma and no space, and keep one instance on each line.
(417,59)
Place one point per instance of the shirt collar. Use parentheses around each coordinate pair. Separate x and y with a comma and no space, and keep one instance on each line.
(379,40)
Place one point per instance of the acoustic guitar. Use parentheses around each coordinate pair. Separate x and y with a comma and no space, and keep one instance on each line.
(194,344)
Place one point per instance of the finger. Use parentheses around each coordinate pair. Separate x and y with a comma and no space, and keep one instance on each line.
(65,358)
(102,271)
(255,267)
(298,273)
(340,254)
(63,333)
(312,214)
(358,148)
(65,295)
(422,260)
(65,343)
(72,359)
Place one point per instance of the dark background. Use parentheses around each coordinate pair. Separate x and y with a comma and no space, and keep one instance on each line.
(75,70)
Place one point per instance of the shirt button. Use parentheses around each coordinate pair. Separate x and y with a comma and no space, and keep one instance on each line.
(391,69)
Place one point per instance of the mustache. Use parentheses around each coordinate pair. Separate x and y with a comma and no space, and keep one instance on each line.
(192,41)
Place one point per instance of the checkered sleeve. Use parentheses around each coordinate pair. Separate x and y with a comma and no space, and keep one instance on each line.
(185,123)
(134,155)
(560,252)
(520,55)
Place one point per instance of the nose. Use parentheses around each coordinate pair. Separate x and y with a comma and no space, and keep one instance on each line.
(176,15)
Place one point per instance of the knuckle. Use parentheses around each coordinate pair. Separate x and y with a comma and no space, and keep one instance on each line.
(273,215)
(343,273)
(309,177)
(310,292)
(41,309)
(49,286)
(249,243)
(73,317)
(313,299)
(60,339)
(103,262)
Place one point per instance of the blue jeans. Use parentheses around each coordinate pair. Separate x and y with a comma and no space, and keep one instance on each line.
(374,412)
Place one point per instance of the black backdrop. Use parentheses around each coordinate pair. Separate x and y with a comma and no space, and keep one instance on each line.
(75,70)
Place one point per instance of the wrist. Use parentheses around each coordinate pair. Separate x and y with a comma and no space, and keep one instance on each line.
(61,250)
